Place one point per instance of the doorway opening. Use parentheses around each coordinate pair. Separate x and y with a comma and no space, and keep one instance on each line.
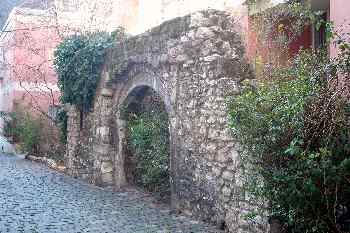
(146,145)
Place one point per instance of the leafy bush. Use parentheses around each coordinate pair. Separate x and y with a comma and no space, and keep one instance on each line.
(10,129)
(295,132)
(23,129)
(30,134)
(34,134)
(149,141)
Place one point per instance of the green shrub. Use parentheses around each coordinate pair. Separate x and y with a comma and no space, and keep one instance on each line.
(29,133)
(295,132)
(34,134)
(23,129)
(149,141)
(10,129)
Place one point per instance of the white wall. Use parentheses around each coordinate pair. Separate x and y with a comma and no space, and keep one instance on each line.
(153,13)
(137,15)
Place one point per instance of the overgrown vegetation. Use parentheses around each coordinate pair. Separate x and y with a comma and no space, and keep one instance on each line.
(148,137)
(283,23)
(34,134)
(23,129)
(294,128)
(78,62)
(275,29)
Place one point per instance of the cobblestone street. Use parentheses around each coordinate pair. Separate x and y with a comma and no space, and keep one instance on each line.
(34,198)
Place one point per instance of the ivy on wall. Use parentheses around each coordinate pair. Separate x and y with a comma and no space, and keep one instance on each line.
(78,62)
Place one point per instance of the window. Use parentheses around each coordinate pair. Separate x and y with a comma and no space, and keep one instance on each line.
(320,34)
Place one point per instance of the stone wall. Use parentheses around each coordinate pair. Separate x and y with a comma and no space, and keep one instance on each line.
(194,63)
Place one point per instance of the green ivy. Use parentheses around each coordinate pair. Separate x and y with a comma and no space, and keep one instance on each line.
(78,62)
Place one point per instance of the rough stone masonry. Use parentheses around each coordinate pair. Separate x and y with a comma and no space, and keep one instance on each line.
(193,63)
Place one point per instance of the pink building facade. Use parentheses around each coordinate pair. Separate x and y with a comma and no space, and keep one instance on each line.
(340,16)
(27,76)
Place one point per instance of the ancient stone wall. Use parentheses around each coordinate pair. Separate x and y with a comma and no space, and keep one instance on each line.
(194,63)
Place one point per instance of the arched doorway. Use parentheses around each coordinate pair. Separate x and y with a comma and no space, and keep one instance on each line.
(146,142)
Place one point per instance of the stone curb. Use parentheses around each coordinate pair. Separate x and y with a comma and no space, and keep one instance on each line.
(48,162)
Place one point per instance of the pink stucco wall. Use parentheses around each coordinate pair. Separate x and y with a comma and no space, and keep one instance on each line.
(340,16)
(32,76)
(30,80)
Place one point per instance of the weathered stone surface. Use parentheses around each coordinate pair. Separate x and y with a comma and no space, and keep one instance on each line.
(192,63)
(107,92)
(106,167)
(228,175)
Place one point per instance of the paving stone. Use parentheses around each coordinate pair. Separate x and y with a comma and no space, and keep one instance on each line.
(34,198)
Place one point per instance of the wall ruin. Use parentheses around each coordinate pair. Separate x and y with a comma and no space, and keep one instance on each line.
(194,63)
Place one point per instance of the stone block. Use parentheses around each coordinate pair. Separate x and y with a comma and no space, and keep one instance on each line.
(228,175)
(199,20)
(102,149)
(226,191)
(222,157)
(106,92)
(204,33)
(106,167)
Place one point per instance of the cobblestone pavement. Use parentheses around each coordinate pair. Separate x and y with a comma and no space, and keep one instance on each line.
(34,198)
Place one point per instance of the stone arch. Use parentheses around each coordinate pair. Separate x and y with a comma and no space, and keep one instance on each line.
(134,80)
(142,75)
